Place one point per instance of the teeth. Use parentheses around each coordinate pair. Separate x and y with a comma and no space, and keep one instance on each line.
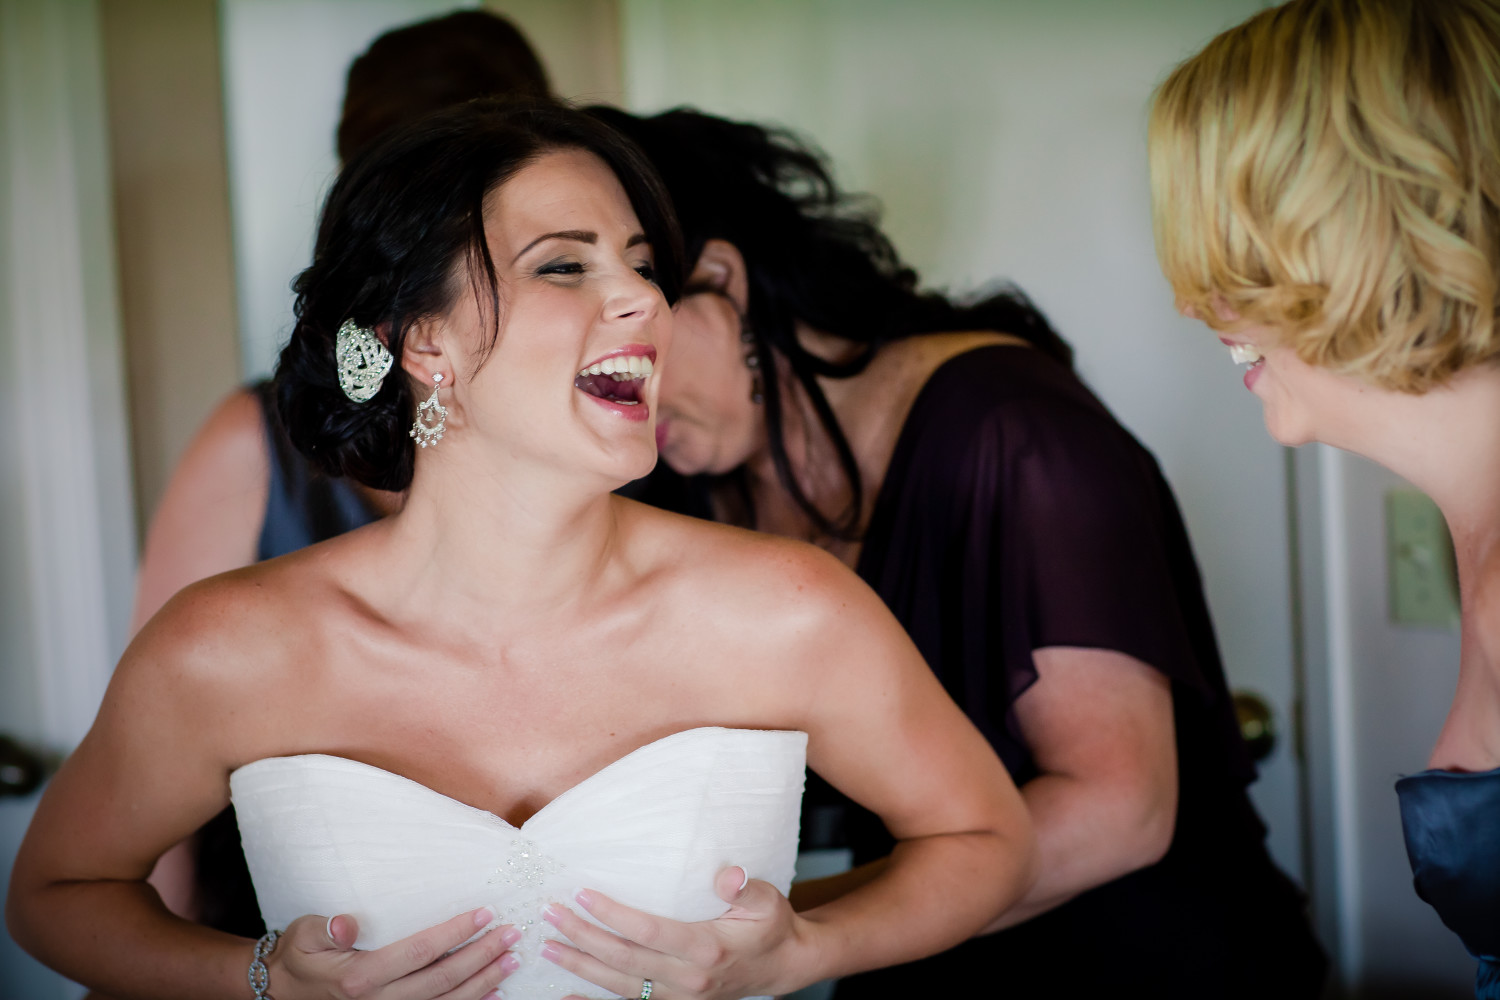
(630,369)
(1242,354)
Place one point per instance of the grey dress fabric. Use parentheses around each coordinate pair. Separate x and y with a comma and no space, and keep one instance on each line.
(304,505)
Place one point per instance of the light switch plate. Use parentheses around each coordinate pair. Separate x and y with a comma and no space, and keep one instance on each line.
(1419,562)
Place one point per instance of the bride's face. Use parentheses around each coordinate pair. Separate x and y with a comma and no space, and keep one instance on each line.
(577,300)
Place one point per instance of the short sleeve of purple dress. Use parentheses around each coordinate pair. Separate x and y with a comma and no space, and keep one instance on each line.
(1018,514)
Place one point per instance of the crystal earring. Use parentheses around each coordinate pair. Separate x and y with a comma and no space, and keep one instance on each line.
(432,416)
(752,362)
(363,361)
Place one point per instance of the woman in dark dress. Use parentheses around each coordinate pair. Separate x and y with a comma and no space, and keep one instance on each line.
(1357,270)
(1025,540)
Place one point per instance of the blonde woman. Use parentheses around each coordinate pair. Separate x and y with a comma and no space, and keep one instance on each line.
(1326,179)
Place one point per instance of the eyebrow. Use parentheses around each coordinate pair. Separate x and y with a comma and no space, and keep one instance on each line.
(576,236)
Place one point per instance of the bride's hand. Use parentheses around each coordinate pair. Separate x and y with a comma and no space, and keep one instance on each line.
(315,958)
(749,950)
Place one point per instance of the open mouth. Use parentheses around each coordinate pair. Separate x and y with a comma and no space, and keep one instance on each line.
(619,379)
(1244,354)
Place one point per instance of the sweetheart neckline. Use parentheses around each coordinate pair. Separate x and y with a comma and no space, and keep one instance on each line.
(566,793)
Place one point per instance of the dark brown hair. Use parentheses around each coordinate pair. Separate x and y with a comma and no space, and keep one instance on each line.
(403,219)
(813,254)
(413,70)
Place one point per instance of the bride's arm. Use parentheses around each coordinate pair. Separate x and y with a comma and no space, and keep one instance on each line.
(881,729)
(152,769)
(885,733)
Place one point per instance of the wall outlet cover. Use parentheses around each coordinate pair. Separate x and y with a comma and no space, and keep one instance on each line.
(1419,562)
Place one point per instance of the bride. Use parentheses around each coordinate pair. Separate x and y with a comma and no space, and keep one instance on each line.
(520,690)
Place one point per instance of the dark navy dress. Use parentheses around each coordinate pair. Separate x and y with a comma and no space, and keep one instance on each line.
(1452,825)
(304,506)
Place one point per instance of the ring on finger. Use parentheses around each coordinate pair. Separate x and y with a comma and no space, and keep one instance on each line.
(645,990)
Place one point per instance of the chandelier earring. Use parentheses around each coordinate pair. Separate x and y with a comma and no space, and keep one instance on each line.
(752,362)
(432,417)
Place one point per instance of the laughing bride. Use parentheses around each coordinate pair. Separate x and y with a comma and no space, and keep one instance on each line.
(521,704)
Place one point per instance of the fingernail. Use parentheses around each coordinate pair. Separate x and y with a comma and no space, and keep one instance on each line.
(551,952)
(744,880)
(510,937)
(484,917)
(552,914)
(585,898)
(329,929)
(510,963)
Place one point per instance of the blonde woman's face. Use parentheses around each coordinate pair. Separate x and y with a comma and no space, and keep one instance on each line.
(1301,402)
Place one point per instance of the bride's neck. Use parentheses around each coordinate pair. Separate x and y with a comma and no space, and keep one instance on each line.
(518,545)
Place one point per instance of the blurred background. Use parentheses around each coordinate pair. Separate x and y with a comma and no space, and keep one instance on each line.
(162,163)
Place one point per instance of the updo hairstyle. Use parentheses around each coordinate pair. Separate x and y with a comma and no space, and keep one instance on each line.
(1330,169)
(401,237)
(813,254)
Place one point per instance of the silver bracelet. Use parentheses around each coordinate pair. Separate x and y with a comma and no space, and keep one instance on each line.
(260,976)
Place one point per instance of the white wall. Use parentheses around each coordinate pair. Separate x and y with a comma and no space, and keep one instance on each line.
(284,67)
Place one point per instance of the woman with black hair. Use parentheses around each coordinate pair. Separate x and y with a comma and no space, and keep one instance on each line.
(1028,544)
(241,492)
(520,689)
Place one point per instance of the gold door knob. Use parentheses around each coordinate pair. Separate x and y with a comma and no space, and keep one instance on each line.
(1257,724)
(22,771)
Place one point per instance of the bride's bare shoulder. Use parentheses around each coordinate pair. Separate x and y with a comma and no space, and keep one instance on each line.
(230,629)
(769,585)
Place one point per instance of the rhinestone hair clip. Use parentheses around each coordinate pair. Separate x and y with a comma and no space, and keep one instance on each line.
(363,361)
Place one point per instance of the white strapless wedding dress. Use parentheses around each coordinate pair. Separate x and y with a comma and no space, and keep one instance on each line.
(330,835)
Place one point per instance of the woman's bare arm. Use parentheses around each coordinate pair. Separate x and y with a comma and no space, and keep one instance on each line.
(1099,725)
(885,733)
(209,518)
(177,718)
(152,769)
(207,522)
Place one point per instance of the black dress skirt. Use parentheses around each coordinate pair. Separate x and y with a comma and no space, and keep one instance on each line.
(1018,514)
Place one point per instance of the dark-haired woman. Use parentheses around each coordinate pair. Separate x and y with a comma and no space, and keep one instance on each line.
(520,689)
(241,492)
(1028,544)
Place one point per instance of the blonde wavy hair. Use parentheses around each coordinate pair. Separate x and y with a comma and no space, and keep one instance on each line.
(1330,169)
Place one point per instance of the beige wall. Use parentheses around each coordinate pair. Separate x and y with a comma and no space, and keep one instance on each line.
(166,129)
(578,41)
